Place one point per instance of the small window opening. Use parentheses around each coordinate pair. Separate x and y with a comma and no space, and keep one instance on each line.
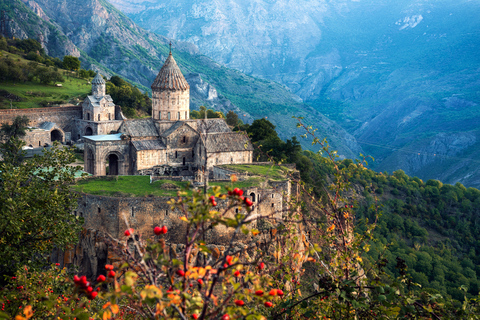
(133,212)
(184,139)
(166,212)
(159,114)
(186,115)
(39,143)
(193,153)
(183,160)
(273,205)
(168,116)
(99,210)
(109,117)
(236,210)
(98,117)
(176,154)
(75,213)
(272,195)
(178,114)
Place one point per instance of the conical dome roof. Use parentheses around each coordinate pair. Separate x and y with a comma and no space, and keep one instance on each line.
(98,79)
(170,77)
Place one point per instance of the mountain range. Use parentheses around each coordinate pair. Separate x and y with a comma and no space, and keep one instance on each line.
(106,40)
(401,76)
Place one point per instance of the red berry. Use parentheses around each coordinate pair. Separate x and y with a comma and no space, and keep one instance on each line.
(237,191)
(76,279)
(225,266)
(212,198)
(229,259)
(279,292)
(259,293)
(226,317)
(214,203)
(230,193)
(195,316)
(57,264)
(111,273)
(248,202)
(268,304)
(157,230)
(92,295)
(242,198)
(83,281)
(239,303)
(170,289)
(101,278)
(98,289)
(261,266)
(89,289)
(164,229)
(200,281)
(180,272)
(237,274)
(108,267)
(191,285)
(273,292)
(351,206)
(128,232)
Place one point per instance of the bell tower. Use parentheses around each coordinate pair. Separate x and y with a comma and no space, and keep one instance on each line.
(170,93)
(98,86)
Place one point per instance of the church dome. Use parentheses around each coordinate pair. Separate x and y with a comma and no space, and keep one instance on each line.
(170,77)
(98,79)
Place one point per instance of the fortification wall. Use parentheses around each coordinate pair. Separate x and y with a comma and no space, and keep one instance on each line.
(62,116)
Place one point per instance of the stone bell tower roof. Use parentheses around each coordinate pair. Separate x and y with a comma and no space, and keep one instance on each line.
(170,77)
(98,79)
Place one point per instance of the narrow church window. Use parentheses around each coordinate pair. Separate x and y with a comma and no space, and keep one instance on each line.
(231,160)
(176,154)
(109,117)
(178,115)
(168,116)
(183,160)
(88,115)
(159,114)
(39,143)
(166,212)
(133,212)
(272,195)
(184,139)
(98,117)
(236,210)
(186,115)
(99,210)
(273,205)
(193,153)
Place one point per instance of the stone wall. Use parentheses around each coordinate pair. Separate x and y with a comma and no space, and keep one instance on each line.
(149,158)
(61,116)
(237,157)
(37,138)
(171,105)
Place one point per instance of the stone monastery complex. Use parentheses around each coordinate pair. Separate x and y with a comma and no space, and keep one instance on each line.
(167,143)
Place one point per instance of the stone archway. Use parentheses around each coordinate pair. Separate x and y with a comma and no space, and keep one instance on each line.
(112,165)
(90,161)
(56,135)
(88,131)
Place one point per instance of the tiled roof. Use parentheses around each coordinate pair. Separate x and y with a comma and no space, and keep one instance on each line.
(149,145)
(95,101)
(105,137)
(174,127)
(212,126)
(98,79)
(139,128)
(47,125)
(228,142)
(170,77)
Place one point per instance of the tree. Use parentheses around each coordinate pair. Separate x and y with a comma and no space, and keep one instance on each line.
(36,204)
(232,118)
(71,63)
(261,129)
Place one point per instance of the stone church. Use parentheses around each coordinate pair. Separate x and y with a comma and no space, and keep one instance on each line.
(168,143)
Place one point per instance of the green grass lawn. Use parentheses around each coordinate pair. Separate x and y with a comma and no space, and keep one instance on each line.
(271,171)
(33,94)
(139,186)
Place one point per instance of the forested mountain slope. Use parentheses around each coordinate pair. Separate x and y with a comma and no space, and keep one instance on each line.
(401,76)
(109,41)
